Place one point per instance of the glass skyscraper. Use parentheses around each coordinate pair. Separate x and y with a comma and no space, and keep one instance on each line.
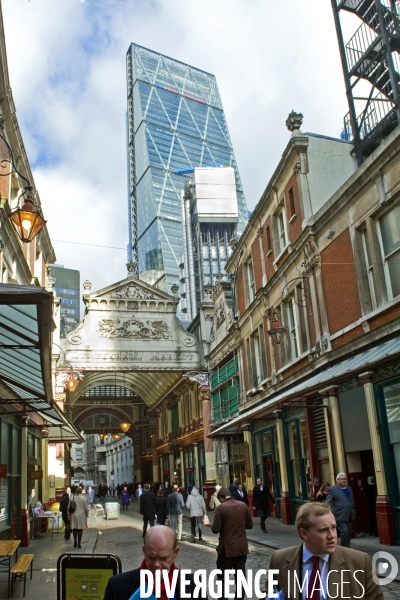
(175,123)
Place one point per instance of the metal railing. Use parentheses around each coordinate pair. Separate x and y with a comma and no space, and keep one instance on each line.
(364,39)
(376,111)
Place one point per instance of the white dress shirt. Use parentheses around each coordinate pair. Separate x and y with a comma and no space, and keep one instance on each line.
(308,567)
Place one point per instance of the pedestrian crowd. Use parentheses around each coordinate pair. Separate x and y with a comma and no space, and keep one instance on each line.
(320,525)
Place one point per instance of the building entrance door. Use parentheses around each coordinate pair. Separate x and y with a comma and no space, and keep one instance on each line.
(371,492)
(270,482)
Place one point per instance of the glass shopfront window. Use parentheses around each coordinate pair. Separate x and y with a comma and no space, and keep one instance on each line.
(299,457)
(392,406)
(266,455)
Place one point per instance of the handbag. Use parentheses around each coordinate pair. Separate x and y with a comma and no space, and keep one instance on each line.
(72,506)
(206,520)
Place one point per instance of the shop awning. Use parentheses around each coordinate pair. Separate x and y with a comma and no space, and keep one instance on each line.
(25,356)
(354,365)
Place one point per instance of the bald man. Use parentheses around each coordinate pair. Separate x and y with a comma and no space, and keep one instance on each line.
(160,551)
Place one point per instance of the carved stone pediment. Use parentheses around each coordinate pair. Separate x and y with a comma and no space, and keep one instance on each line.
(130,290)
(131,326)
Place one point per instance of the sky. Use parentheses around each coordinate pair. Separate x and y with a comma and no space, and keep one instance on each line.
(66,61)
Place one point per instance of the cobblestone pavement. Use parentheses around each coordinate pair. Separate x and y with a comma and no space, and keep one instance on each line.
(126,542)
(123,538)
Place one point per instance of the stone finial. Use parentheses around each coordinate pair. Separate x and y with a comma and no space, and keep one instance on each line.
(175,289)
(87,285)
(294,121)
(132,268)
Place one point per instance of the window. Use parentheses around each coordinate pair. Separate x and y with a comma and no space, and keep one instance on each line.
(294,351)
(303,301)
(282,236)
(256,358)
(249,284)
(369,267)
(292,207)
(78,454)
(289,317)
(269,243)
(389,231)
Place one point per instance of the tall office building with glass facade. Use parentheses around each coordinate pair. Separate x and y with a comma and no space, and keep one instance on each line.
(67,289)
(175,123)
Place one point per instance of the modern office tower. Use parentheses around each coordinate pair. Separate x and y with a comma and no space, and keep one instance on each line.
(209,220)
(175,123)
(67,288)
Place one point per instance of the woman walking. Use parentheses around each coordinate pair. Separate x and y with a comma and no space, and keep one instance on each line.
(125,498)
(78,516)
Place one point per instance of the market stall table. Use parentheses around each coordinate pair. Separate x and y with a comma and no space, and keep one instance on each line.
(54,517)
(7,550)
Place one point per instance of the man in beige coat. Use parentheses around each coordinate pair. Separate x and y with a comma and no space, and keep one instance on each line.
(231,519)
(319,566)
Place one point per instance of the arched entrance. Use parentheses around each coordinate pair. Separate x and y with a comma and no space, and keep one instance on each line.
(132,353)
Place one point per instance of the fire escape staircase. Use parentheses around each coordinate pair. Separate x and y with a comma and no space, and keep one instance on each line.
(367,58)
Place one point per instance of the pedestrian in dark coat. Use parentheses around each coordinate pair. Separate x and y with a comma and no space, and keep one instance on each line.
(161,507)
(261,499)
(125,498)
(241,495)
(147,507)
(234,486)
(167,489)
(231,519)
(340,500)
(64,512)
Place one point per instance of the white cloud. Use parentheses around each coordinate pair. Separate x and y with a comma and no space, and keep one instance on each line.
(67,69)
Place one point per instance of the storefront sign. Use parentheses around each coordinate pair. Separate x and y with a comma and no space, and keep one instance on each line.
(112,510)
(35,475)
(3,471)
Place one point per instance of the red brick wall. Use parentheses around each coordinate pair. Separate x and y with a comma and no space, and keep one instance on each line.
(340,284)
(256,254)
(295,226)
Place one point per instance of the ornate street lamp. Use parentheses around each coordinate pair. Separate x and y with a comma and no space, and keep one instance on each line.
(125,427)
(27,220)
(71,383)
(277,330)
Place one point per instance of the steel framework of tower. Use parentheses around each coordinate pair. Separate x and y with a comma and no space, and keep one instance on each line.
(175,123)
(371,67)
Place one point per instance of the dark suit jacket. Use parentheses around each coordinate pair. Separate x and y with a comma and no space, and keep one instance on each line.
(343,509)
(244,499)
(148,505)
(122,587)
(261,498)
(289,560)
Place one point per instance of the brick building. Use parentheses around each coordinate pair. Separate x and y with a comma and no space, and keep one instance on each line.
(320,258)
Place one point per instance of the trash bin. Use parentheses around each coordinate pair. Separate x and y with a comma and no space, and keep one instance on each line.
(58,524)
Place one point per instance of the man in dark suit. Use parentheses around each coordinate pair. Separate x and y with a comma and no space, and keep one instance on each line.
(261,498)
(233,488)
(318,565)
(340,500)
(160,551)
(241,495)
(147,508)
(167,489)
